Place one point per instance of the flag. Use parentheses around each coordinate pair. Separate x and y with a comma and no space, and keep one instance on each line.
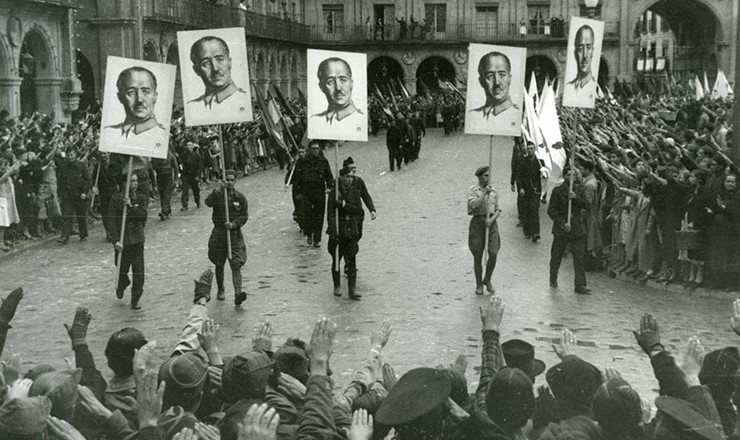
(533,91)
(301,97)
(706,84)
(549,123)
(406,93)
(698,90)
(721,86)
(276,134)
(455,89)
(287,107)
(535,134)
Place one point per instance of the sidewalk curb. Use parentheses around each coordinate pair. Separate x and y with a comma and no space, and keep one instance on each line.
(701,292)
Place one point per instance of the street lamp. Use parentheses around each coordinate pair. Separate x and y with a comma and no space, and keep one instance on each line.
(591,5)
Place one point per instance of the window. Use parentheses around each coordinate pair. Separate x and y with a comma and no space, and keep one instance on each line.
(333,18)
(652,22)
(664,46)
(664,27)
(436,16)
(583,11)
(538,14)
(486,21)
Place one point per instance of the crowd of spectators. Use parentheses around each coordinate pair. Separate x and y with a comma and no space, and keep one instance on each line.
(287,391)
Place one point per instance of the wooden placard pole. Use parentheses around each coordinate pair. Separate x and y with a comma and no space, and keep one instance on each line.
(123,218)
(226,192)
(95,185)
(336,203)
(487,197)
(574,150)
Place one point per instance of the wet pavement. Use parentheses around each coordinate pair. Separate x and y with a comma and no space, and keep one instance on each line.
(414,269)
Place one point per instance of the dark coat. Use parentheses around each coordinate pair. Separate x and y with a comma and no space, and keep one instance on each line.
(527,175)
(396,136)
(558,211)
(312,172)
(135,218)
(73,179)
(192,164)
(352,193)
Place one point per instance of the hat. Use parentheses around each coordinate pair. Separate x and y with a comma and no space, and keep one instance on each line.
(37,371)
(689,416)
(617,406)
(719,368)
(520,354)
(229,424)
(480,171)
(574,380)
(348,161)
(184,371)
(60,387)
(416,393)
(510,398)
(174,420)
(292,359)
(245,376)
(24,415)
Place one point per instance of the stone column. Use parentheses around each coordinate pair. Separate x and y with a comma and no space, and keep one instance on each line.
(410,84)
(10,95)
(48,97)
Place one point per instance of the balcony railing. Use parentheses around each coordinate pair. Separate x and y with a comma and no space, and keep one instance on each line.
(264,26)
(451,32)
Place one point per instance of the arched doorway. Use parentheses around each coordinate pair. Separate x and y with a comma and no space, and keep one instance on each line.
(294,79)
(261,67)
(543,67)
(384,72)
(173,57)
(34,64)
(86,76)
(284,75)
(433,71)
(603,79)
(272,74)
(151,52)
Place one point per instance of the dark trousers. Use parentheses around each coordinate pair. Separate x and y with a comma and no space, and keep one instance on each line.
(313,213)
(189,182)
(74,209)
(577,248)
(348,249)
(531,214)
(395,156)
(132,258)
(165,182)
(105,198)
(520,209)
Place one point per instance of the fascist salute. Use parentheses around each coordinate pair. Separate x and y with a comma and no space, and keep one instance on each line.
(217,244)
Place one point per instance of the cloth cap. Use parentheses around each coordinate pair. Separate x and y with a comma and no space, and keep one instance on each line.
(617,406)
(510,398)
(184,371)
(292,359)
(574,380)
(689,416)
(719,367)
(480,171)
(416,393)
(174,419)
(520,354)
(60,387)
(245,375)
(348,161)
(24,415)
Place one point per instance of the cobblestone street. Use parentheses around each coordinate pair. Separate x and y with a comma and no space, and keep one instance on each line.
(414,269)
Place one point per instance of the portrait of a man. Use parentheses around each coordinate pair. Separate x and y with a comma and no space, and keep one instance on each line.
(334,113)
(581,72)
(214,71)
(137,107)
(491,108)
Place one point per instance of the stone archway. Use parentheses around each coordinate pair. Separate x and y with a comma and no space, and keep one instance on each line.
(36,69)
(295,78)
(432,72)
(384,72)
(173,57)
(86,75)
(151,52)
(284,75)
(543,67)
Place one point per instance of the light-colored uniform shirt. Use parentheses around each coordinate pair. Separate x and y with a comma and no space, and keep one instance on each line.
(580,94)
(135,138)
(476,201)
(225,106)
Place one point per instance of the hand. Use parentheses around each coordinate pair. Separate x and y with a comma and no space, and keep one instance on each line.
(646,410)
(207,432)
(228,225)
(567,227)
(208,335)
(380,336)
(692,361)
(63,430)
(260,423)
(78,332)
(513,188)
(95,190)
(460,364)
(83,196)
(328,190)
(215,376)
(571,195)
(197,180)
(567,346)
(148,398)
(457,414)
(521,192)
(373,216)
(389,376)
(320,347)
(648,338)
(735,320)
(491,313)
(185,434)
(144,361)
(490,220)
(361,427)
(91,403)
(263,340)
(610,373)
(291,387)
(18,389)
(487,189)
(10,304)
(127,201)
(118,246)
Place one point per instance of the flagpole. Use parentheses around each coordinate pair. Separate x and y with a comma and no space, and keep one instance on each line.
(226,192)
(123,219)
(574,150)
(92,198)
(336,203)
(488,205)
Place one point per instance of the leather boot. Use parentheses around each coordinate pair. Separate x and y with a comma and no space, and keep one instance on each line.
(336,278)
(352,283)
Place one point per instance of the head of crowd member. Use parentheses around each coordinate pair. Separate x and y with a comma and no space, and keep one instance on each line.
(416,405)
(569,173)
(531,148)
(718,371)
(520,354)
(573,383)
(173,420)
(61,388)
(370,400)
(245,376)
(314,148)
(484,176)
(335,81)
(350,166)
(584,50)
(71,154)
(301,151)
(292,359)
(399,117)
(616,407)
(184,377)
(230,425)
(494,75)
(698,177)
(615,158)
(121,348)
(137,92)
(641,168)
(587,168)
(230,179)
(25,418)
(510,399)
(212,62)
(730,182)
(690,419)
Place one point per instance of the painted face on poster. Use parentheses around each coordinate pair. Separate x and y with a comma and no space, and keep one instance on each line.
(215,76)
(337,95)
(582,66)
(495,90)
(137,107)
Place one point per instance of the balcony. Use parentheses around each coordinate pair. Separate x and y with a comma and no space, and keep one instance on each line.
(265,26)
(452,33)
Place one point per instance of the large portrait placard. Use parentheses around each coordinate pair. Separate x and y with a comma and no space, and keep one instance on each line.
(137,107)
(337,95)
(582,66)
(495,89)
(215,76)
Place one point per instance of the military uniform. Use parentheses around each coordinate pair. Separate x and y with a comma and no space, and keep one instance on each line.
(217,243)
(395,139)
(132,254)
(576,238)
(528,179)
(313,176)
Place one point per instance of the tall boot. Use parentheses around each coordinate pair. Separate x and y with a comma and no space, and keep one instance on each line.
(135,297)
(220,294)
(336,278)
(239,295)
(352,283)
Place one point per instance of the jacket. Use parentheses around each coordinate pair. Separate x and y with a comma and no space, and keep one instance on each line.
(558,211)
(73,179)
(135,218)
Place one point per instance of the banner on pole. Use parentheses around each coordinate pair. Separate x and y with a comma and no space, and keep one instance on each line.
(582,66)
(137,107)
(337,95)
(215,76)
(495,89)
